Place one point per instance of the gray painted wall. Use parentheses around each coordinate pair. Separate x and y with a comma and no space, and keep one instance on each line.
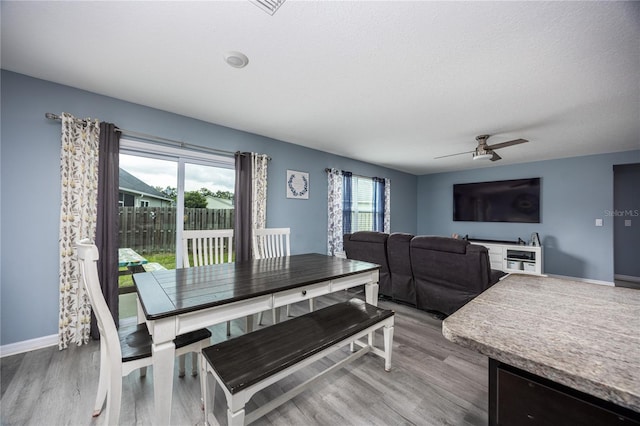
(626,208)
(574,192)
(30,189)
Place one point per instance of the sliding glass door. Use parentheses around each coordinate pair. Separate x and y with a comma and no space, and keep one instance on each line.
(164,191)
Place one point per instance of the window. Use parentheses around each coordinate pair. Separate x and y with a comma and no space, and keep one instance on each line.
(363,203)
(164,191)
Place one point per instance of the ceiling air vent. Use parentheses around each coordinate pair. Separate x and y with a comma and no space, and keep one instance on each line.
(269,6)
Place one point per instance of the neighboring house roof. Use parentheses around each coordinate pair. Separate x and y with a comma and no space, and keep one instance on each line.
(219,203)
(130,183)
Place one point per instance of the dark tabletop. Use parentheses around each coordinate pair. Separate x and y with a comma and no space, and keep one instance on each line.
(169,292)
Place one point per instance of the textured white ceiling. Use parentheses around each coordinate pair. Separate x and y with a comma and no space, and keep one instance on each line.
(387,82)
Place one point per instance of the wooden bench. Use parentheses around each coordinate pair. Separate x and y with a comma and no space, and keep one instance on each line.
(249,363)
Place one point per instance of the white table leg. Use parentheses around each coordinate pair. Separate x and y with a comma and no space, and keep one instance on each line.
(248,324)
(371,297)
(141,319)
(388,346)
(164,354)
(371,293)
(140,312)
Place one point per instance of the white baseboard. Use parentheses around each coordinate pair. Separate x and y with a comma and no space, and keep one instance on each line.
(28,345)
(584,280)
(629,278)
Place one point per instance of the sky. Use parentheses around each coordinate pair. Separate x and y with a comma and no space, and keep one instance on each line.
(163,173)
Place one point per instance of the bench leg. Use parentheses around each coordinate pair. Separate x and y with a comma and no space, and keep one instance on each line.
(208,391)
(235,419)
(388,345)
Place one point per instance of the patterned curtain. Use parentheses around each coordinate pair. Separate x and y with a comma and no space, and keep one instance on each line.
(347,203)
(334,229)
(378,204)
(259,190)
(78,212)
(387,205)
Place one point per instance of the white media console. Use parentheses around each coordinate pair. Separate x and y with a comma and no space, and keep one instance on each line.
(513,258)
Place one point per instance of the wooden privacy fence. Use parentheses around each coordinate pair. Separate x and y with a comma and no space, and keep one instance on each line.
(153,229)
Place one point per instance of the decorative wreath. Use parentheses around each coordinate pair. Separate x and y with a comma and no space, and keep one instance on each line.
(294,190)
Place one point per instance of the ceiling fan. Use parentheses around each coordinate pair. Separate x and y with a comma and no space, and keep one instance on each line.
(487,152)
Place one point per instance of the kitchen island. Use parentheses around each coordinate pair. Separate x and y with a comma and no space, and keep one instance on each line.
(560,351)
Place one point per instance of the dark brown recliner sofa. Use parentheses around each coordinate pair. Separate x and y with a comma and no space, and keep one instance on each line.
(432,273)
(371,247)
(449,273)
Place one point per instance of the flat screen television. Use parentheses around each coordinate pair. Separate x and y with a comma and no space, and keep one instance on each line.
(516,200)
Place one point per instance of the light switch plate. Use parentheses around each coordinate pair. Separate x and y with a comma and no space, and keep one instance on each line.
(598,222)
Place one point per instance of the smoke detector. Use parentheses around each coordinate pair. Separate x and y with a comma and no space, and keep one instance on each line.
(236,59)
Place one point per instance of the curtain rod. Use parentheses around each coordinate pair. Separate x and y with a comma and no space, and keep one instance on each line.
(327,170)
(152,138)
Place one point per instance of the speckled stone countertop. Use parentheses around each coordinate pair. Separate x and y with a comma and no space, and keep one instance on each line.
(585,336)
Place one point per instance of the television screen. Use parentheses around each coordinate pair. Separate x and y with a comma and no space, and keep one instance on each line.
(515,200)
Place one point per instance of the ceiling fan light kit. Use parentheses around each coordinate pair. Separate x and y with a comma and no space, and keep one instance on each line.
(482,155)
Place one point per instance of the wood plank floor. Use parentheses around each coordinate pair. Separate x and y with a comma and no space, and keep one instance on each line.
(432,382)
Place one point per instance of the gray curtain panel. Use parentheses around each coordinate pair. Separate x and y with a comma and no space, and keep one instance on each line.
(242,206)
(108,219)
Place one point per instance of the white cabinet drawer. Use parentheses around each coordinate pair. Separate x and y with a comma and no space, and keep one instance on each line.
(301,293)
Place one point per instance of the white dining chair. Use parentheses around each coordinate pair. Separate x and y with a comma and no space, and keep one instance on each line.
(121,350)
(268,243)
(207,247)
(271,242)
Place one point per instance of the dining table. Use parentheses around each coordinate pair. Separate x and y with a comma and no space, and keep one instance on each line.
(173,302)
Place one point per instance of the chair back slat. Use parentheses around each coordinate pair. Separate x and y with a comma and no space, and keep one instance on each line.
(88,256)
(271,242)
(207,247)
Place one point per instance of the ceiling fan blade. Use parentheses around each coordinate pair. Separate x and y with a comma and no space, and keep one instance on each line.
(495,157)
(451,155)
(505,144)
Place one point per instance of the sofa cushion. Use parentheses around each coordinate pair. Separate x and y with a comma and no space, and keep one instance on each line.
(398,253)
(445,244)
(369,237)
(370,247)
(446,277)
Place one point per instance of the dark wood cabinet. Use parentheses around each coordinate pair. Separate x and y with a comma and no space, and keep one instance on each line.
(517,398)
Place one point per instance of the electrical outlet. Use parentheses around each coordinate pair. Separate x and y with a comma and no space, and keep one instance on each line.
(598,222)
